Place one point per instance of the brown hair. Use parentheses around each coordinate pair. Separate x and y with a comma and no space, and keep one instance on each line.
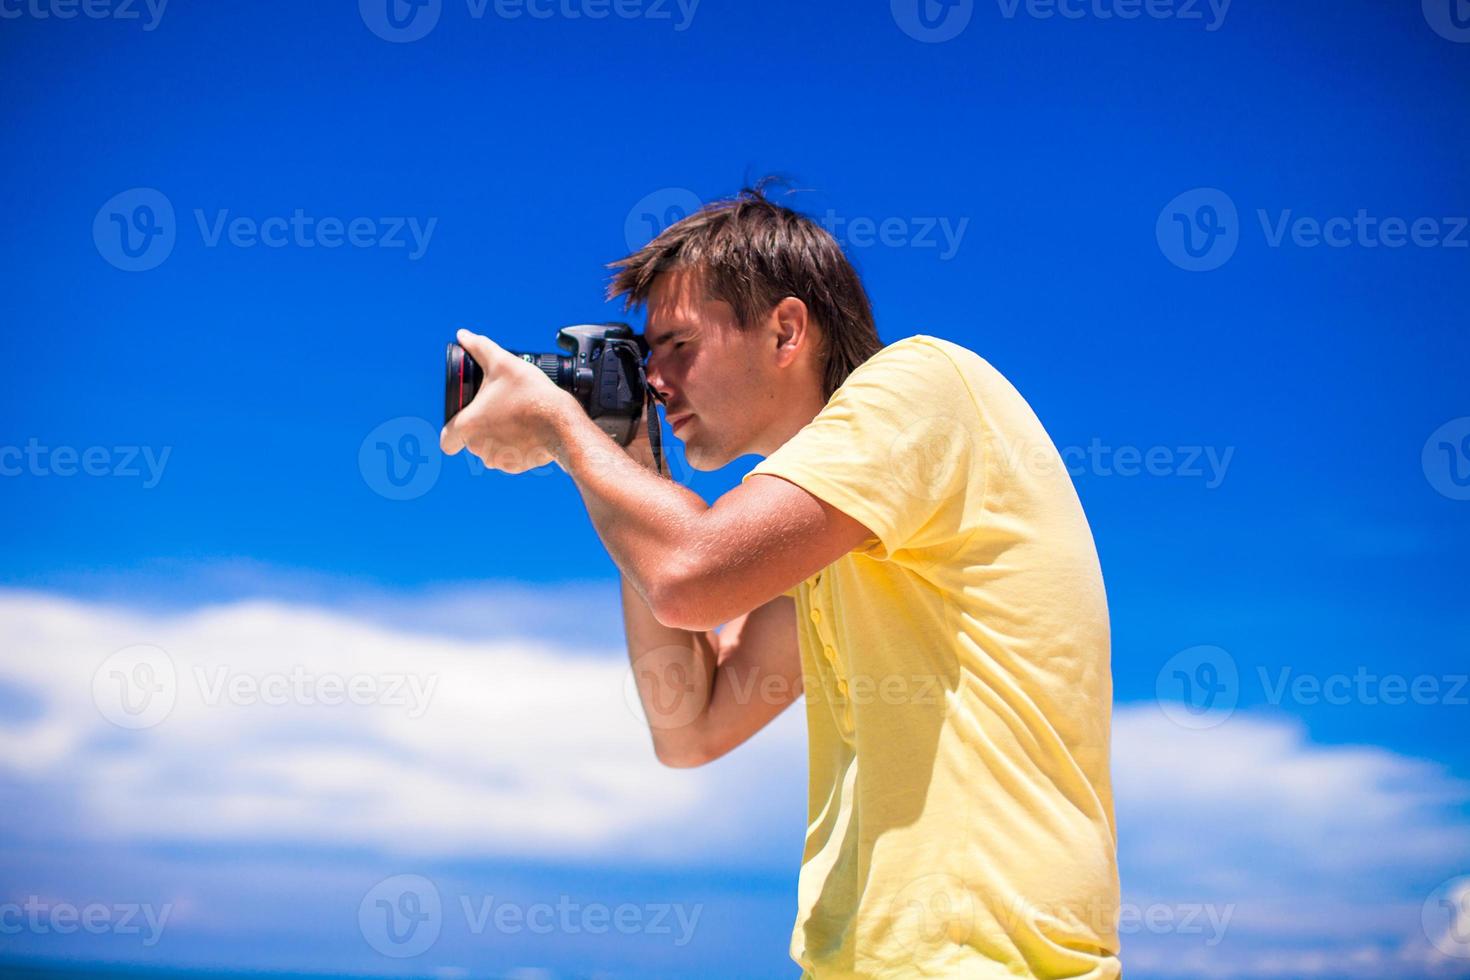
(752,253)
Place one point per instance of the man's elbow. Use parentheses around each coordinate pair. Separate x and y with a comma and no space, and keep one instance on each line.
(683,756)
(682,601)
(693,745)
(688,747)
(679,616)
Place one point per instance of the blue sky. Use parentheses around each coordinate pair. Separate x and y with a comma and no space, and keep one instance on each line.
(1023,187)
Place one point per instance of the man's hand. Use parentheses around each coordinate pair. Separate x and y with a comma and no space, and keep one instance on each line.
(512,424)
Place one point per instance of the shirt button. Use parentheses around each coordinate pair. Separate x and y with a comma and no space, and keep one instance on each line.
(816,616)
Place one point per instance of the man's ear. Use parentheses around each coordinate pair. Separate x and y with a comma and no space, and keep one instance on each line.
(792,329)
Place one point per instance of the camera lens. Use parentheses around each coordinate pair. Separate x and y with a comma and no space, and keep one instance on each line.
(462,377)
(603,367)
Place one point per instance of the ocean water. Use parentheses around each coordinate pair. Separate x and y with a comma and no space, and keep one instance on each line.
(101,971)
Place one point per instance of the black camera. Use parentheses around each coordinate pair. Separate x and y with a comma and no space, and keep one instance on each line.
(602,366)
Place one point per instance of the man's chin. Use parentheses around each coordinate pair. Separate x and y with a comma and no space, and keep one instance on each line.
(700,460)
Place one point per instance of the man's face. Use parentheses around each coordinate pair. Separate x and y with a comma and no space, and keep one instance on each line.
(718,383)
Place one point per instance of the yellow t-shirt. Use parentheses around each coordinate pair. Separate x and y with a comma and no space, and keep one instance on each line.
(958,689)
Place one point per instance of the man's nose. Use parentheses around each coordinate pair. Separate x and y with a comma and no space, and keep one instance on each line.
(655,379)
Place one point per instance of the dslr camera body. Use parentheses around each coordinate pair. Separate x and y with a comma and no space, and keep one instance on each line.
(601,364)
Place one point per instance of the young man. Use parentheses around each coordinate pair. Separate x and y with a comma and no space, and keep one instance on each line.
(911,554)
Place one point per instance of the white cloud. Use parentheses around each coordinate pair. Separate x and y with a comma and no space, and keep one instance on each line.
(1314,860)
(521,748)
(1323,855)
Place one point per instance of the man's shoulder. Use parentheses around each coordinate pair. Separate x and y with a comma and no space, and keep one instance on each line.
(922,347)
(942,369)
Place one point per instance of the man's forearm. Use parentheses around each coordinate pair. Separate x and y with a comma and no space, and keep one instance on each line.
(674,671)
(647,522)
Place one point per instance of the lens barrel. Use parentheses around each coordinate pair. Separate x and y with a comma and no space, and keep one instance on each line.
(463,376)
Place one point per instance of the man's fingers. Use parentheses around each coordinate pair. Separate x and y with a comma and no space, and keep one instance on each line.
(450,440)
(484,350)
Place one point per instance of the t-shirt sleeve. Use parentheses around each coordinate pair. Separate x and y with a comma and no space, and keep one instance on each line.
(897,447)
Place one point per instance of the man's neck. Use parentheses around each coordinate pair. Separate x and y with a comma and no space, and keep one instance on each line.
(792,421)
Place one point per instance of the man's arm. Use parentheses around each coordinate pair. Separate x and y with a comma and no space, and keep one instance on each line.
(698,566)
(704,693)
